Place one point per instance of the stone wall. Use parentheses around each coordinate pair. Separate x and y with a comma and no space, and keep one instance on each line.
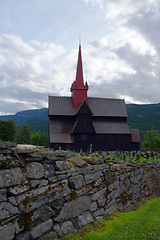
(49,194)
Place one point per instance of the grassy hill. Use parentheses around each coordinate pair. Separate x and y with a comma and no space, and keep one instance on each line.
(144,117)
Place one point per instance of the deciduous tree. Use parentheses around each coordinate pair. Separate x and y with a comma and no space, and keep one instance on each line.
(151,140)
(7,130)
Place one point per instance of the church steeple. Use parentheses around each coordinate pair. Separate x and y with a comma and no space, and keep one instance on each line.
(78,89)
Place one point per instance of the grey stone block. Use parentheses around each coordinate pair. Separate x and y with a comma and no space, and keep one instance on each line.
(78,162)
(56,227)
(101,166)
(41,229)
(93,207)
(22,236)
(7,232)
(76,182)
(101,201)
(57,178)
(84,219)
(11,177)
(62,165)
(112,209)
(49,235)
(13,200)
(3,196)
(35,170)
(91,177)
(74,208)
(98,194)
(7,210)
(99,212)
(19,189)
(98,182)
(49,170)
(66,228)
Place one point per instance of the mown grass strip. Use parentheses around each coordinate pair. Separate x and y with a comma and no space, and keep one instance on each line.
(142,223)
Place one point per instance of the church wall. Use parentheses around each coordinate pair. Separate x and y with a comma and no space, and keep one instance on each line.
(135,146)
(47,195)
(107,142)
(111,142)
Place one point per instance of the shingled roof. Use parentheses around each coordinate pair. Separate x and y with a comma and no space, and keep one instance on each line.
(99,106)
(111,127)
(61,138)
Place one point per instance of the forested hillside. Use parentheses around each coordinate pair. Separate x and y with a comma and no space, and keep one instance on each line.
(23,116)
(144,117)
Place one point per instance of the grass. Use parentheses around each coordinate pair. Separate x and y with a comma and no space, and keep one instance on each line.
(128,158)
(136,224)
(131,158)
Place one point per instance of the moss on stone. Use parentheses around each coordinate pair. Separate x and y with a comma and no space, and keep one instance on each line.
(25,221)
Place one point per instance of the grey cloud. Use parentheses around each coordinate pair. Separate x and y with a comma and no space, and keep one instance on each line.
(148,24)
(139,62)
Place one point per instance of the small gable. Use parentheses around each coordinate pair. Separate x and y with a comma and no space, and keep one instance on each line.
(84,109)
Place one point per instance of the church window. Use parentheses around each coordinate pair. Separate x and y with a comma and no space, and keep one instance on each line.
(84,137)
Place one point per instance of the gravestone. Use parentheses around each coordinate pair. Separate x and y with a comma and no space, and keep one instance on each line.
(117,153)
(91,148)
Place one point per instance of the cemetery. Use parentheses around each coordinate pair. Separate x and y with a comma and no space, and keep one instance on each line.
(45,194)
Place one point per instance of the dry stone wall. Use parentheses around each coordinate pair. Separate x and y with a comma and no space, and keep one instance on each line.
(49,194)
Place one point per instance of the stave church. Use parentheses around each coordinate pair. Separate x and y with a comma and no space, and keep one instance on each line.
(80,122)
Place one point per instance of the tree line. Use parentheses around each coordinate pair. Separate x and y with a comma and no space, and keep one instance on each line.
(21,134)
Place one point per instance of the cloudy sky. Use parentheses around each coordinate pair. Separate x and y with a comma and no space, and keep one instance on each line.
(39,49)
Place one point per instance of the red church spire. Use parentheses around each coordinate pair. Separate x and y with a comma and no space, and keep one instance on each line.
(78,89)
(79,73)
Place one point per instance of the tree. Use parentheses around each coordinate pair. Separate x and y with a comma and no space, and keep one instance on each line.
(35,138)
(39,139)
(157,142)
(7,130)
(151,140)
(23,134)
(44,140)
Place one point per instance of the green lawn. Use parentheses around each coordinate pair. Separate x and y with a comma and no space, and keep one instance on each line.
(143,223)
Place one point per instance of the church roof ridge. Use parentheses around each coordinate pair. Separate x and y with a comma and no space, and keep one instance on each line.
(115,99)
(60,96)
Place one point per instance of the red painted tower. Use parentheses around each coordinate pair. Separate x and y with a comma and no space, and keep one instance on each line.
(78,89)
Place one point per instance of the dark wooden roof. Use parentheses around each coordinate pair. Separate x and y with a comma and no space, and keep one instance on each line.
(111,127)
(135,135)
(99,107)
(61,106)
(61,138)
(107,107)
